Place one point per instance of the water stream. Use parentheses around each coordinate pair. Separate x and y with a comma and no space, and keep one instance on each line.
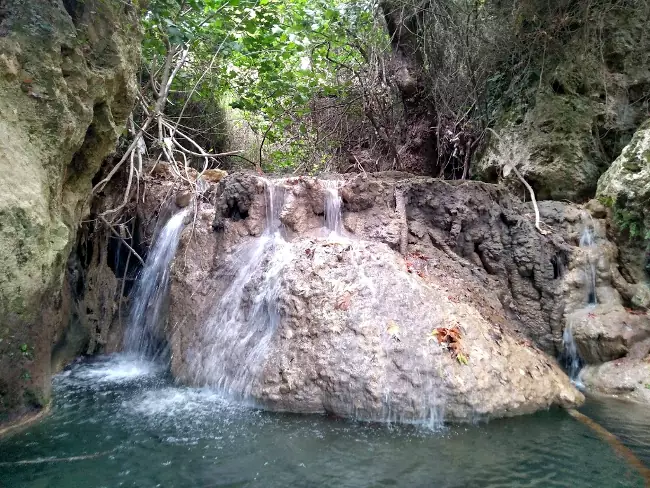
(236,338)
(122,421)
(587,242)
(570,355)
(117,423)
(333,203)
(143,333)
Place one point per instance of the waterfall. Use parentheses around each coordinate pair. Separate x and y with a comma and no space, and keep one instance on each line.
(333,219)
(238,335)
(570,355)
(587,242)
(572,361)
(143,335)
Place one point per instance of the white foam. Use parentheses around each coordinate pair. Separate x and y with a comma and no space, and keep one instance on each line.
(117,368)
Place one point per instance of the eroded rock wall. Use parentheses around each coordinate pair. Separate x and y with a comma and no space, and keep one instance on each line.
(341,304)
(67,85)
(570,111)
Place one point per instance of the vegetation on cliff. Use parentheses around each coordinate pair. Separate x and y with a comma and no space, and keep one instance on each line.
(310,86)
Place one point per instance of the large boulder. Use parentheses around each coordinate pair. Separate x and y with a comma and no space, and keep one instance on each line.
(625,189)
(627,378)
(607,332)
(67,85)
(263,308)
(357,338)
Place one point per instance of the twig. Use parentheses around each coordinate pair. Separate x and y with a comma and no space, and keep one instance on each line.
(56,459)
(123,241)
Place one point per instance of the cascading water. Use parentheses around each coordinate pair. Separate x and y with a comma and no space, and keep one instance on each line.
(333,219)
(238,335)
(143,333)
(587,242)
(572,360)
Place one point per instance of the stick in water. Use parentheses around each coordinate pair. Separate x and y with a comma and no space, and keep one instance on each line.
(616,444)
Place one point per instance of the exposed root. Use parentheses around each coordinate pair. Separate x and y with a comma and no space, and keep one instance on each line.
(513,166)
(116,234)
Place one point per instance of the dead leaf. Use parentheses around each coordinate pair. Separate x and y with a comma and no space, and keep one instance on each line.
(343,303)
(393,330)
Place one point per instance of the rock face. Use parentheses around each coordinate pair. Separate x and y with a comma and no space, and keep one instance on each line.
(67,84)
(565,129)
(626,184)
(611,334)
(355,339)
(349,322)
(625,190)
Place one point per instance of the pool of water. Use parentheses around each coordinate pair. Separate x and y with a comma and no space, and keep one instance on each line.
(119,422)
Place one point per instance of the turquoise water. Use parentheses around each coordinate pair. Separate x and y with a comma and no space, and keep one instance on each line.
(118,422)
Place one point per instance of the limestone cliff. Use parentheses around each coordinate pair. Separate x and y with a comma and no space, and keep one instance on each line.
(67,85)
(569,114)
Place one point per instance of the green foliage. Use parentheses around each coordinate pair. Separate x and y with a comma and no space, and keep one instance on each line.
(632,222)
(608,201)
(273,57)
(27,351)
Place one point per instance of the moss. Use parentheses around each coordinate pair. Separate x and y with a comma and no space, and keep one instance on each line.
(34,399)
(630,221)
(606,200)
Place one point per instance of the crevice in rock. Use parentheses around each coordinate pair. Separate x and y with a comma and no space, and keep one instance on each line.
(74,9)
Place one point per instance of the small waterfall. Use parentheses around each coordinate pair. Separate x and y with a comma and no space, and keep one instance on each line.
(587,242)
(570,354)
(333,202)
(143,335)
(572,361)
(239,333)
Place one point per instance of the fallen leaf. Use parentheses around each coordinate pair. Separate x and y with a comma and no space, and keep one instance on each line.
(343,303)
(393,330)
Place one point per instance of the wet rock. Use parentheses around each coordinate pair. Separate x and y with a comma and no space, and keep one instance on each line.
(471,243)
(240,198)
(339,356)
(183,199)
(596,209)
(367,372)
(63,106)
(624,378)
(335,348)
(604,332)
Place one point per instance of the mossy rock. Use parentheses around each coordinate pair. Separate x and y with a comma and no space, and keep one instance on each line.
(572,115)
(67,85)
